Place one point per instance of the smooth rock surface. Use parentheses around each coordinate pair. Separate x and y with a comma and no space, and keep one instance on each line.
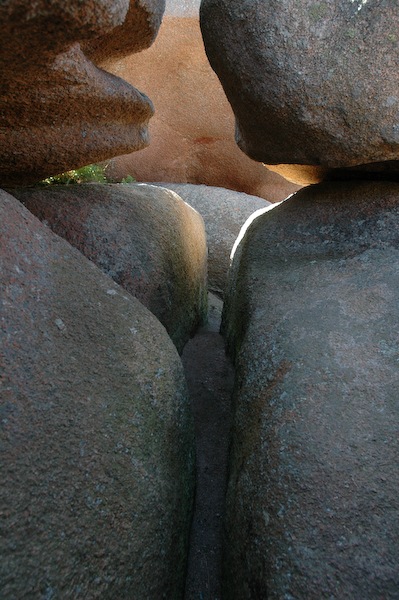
(192,131)
(224,213)
(58,110)
(310,83)
(96,433)
(145,237)
(311,319)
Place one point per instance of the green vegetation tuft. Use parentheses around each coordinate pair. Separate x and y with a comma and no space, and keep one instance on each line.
(82,175)
(86,174)
(128,179)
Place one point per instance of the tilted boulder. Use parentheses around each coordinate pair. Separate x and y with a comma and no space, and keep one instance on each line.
(310,83)
(96,431)
(224,213)
(311,318)
(145,237)
(58,110)
(192,131)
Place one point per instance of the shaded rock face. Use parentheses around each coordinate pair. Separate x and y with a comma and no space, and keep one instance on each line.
(96,429)
(224,213)
(192,131)
(310,83)
(58,110)
(144,237)
(312,320)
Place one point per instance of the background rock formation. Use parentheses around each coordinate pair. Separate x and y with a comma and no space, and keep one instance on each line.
(57,109)
(192,131)
(146,238)
(96,431)
(313,83)
(224,213)
(311,318)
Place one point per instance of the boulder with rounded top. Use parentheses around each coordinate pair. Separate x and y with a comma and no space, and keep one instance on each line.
(310,83)
(145,237)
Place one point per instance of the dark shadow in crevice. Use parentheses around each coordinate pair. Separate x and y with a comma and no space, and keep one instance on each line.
(210,379)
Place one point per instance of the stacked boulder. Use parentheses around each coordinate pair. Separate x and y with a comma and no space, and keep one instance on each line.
(58,109)
(312,84)
(311,310)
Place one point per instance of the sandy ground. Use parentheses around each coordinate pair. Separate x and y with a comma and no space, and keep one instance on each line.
(210,378)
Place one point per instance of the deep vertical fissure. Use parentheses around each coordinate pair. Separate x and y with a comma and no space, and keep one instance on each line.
(210,378)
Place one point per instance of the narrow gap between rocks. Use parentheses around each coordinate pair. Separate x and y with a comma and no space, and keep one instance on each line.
(210,379)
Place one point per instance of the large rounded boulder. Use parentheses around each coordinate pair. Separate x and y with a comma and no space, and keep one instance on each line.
(58,110)
(311,318)
(145,237)
(310,83)
(96,431)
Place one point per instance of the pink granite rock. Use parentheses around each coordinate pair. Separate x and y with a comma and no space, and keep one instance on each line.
(192,131)
(136,33)
(57,109)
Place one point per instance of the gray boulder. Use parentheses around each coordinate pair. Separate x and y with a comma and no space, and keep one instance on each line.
(96,431)
(311,317)
(310,83)
(147,239)
(224,212)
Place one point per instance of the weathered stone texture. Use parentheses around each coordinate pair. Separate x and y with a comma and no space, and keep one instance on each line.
(96,432)
(57,109)
(312,320)
(145,237)
(310,83)
(224,213)
(192,131)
